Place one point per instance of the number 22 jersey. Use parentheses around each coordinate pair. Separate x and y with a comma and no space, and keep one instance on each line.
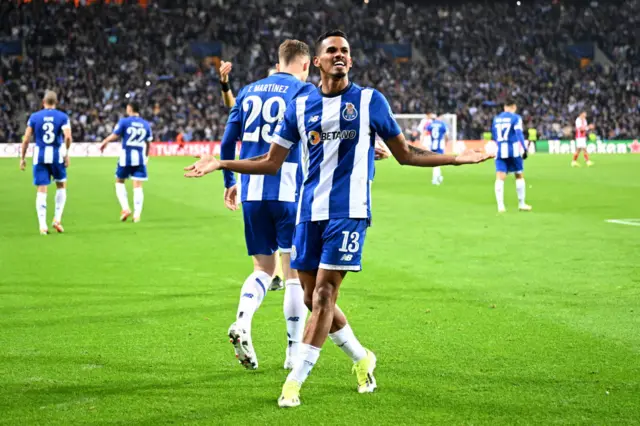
(135,133)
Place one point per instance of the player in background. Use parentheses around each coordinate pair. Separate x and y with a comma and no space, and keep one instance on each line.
(136,136)
(228,98)
(268,202)
(425,137)
(506,130)
(49,127)
(581,139)
(437,140)
(335,127)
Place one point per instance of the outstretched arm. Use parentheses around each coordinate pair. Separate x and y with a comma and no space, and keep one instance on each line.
(409,155)
(268,164)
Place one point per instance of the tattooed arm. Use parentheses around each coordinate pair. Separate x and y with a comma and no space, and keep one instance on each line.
(409,155)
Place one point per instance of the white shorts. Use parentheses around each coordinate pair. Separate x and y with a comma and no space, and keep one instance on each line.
(581,143)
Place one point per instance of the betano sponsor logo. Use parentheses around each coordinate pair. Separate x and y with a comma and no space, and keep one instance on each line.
(317,137)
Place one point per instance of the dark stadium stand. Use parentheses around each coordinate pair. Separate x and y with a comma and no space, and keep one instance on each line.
(465,58)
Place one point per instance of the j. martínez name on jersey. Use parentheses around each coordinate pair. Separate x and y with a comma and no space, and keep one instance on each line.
(277,88)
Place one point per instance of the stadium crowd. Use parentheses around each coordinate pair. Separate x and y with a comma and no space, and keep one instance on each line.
(467,58)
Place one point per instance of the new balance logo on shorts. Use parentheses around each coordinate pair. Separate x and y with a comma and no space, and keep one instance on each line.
(294,319)
(346,258)
(248,295)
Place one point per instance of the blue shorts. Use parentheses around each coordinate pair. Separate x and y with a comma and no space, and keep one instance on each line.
(133,172)
(510,165)
(268,226)
(334,244)
(42,173)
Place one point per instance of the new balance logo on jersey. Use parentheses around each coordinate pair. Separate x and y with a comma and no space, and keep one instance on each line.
(248,295)
(293,319)
(346,258)
(314,119)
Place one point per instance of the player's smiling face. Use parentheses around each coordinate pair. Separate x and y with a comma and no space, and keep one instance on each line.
(334,57)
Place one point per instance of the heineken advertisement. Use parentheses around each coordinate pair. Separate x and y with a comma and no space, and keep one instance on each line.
(593,147)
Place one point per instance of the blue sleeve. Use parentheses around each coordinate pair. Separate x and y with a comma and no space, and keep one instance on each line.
(381,117)
(119,129)
(235,115)
(30,122)
(519,133)
(228,149)
(494,136)
(286,132)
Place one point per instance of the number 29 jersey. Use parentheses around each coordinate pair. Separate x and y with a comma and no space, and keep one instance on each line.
(135,133)
(258,108)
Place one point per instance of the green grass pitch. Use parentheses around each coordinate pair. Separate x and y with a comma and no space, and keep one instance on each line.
(476,318)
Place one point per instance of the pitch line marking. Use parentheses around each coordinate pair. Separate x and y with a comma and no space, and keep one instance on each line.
(631,222)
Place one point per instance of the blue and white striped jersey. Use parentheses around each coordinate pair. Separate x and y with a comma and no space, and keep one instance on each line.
(336,135)
(507,134)
(48,125)
(253,120)
(437,130)
(135,133)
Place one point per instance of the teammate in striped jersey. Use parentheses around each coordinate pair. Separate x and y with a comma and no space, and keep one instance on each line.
(49,127)
(335,127)
(437,130)
(512,150)
(230,101)
(136,136)
(268,202)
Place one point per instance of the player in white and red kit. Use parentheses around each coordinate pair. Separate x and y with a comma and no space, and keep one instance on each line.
(581,139)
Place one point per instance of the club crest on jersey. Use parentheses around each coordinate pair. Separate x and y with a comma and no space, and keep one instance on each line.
(349,112)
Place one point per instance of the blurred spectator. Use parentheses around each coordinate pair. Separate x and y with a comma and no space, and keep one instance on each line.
(97,57)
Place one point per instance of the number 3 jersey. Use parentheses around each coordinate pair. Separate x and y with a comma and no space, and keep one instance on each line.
(252,120)
(135,133)
(48,126)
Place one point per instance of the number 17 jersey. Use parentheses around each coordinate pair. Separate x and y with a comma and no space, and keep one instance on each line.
(258,108)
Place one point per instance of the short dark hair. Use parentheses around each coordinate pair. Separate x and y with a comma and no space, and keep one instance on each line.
(331,33)
(291,49)
(509,101)
(135,106)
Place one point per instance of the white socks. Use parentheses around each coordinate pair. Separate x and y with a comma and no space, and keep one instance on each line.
(499,189)
(520,189)
(436,176)
(295,314)
(251,295)
(41,209)
(61,200)
(346,340)
(138,200)
(121,193)
(304,363)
